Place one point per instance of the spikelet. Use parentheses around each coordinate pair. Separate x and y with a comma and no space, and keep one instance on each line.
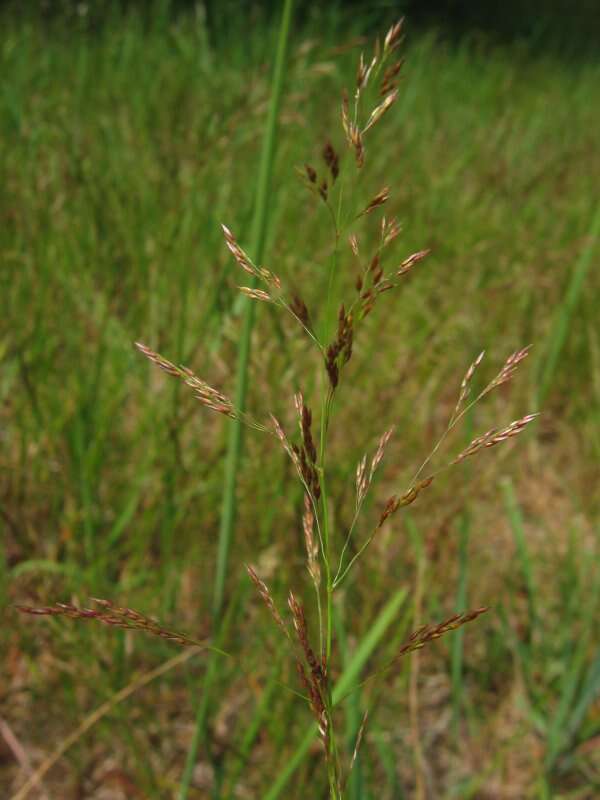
(495,436)
(115,616)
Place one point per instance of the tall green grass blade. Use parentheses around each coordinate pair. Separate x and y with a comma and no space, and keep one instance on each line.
(560,328)
(260,714)
(456,664)
(348,679)
(234,448)
(515,517)
(573,686)
(354,785)
(256,249)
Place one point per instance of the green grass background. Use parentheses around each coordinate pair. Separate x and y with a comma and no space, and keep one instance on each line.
(124,149)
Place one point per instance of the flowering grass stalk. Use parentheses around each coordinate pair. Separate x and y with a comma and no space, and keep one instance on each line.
(332,555)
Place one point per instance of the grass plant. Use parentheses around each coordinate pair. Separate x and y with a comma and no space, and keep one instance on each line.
(113,480)
(329,557)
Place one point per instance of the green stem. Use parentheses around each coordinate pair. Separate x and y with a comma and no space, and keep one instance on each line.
(234,447)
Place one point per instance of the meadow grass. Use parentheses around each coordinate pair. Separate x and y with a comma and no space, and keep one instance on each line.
(125,150)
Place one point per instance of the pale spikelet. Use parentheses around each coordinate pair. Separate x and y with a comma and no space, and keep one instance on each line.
(208,396)
(465,387)
(409,262)
(256,294)
(364,477)
(280,434)
(312,548)
(376,461)
(299,405)
(346,123)
(267,598)
(246,263)
(115,616)
(240,255)
(428,633)
(354,245)
(509,368)
(156,358)
(392,37)
(361,481)
(380,110)
(390,229)
(380,199)
(494,437)
(363,72)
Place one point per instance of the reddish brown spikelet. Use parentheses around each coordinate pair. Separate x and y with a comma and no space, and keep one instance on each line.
(109,614)
(339,351)
(388,82)
(267,598)
(331,366)
(428,633)
(299,310)
(331,160)
(316,704)
(409,497)
(301,628)
(308,452)
(316,681)
(311,173)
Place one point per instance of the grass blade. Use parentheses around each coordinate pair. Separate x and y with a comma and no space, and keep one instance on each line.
(560,329)
(234,448)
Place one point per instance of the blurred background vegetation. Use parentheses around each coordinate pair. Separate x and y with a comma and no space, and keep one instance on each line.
(129,133)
